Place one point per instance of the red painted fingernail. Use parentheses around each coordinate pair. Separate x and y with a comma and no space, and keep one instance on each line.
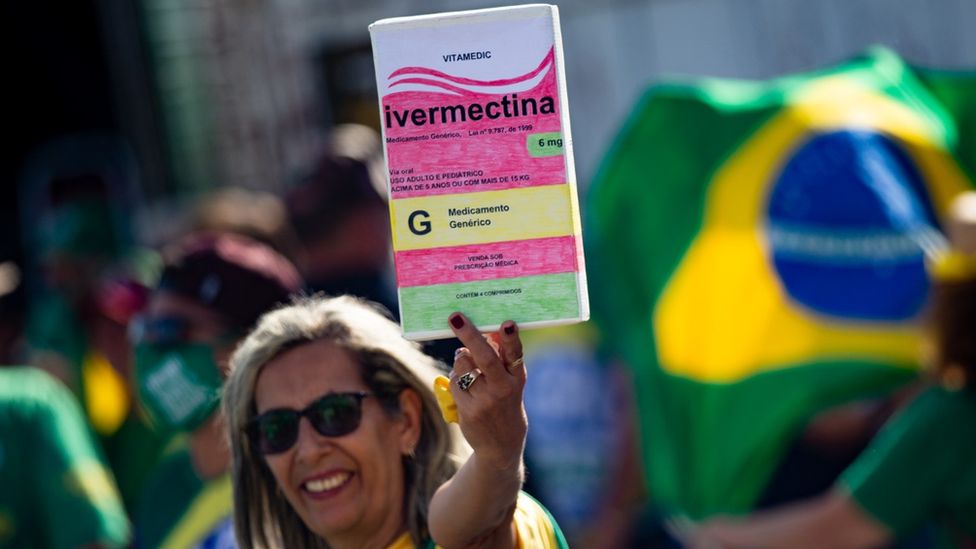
(510,329)
(457,321)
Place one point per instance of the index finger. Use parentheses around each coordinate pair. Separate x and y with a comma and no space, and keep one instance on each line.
(484,355)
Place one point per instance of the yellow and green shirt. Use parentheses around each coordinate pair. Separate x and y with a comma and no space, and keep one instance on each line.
(180,510)
(535,527)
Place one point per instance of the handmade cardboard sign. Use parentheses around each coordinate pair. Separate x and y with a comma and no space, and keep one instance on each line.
(483,201)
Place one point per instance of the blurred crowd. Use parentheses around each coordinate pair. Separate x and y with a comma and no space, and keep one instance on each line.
(108,429)
(117,341)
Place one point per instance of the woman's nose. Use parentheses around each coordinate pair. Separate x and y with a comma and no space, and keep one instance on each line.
(310,444)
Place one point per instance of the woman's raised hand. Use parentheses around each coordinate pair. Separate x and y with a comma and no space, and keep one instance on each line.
(487,382)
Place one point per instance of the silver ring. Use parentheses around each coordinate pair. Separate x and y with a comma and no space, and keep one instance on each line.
(465,380)
(520,361)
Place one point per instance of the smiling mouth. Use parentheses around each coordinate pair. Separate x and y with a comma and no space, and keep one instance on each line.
(326,484)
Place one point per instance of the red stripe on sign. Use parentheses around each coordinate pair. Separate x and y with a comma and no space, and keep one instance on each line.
(486,261)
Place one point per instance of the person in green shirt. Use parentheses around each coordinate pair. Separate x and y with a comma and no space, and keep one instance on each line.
(84,280)
(55,489)
(213,288)
(921,468)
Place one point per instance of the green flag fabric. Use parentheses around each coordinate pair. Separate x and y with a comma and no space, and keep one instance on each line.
(955,92)
(756,254)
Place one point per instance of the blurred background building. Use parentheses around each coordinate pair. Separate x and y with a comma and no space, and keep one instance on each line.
(220,92)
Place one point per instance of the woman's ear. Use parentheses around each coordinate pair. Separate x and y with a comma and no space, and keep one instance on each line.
(411,412)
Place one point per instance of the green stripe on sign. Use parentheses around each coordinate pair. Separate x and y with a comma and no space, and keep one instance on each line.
(523,299)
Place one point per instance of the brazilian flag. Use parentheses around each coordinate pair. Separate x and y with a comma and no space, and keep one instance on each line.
(756,253)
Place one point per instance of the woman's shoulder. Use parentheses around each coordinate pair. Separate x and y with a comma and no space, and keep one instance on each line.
(536,528)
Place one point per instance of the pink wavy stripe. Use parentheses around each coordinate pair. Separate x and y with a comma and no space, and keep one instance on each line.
(447,265)
(435,83)
(469,148)
(549,58)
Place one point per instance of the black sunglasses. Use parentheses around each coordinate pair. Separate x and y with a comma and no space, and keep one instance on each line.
(333,415)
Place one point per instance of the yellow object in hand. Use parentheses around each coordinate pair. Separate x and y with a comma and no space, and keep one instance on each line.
(442,390)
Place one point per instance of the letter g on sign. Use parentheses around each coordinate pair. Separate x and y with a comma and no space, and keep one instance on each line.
(420,227)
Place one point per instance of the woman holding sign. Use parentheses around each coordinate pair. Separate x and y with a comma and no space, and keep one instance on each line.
(338,440)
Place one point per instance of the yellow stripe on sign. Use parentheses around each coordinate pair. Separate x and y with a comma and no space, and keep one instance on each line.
(472,218)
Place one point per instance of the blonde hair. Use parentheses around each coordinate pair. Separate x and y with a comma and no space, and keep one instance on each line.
(388,364)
